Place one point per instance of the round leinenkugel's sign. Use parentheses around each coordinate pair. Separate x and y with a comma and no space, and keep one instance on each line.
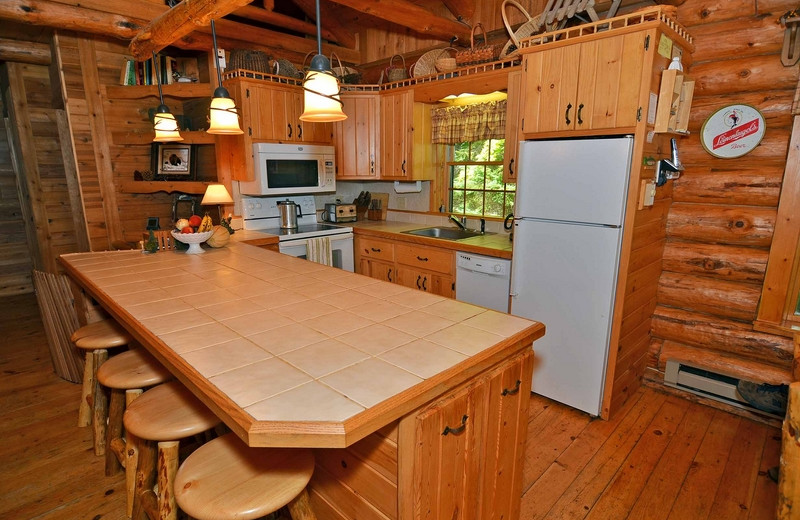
(732,131)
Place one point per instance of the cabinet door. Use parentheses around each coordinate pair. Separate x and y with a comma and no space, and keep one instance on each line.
(304,131)
(428,281)
(397,114)
(550,83)
(356,138)
(512,126)
(268,113)
(610,74)
(507,419)
(376,269)
(448,458)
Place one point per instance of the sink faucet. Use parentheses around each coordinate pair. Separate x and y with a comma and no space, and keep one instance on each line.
(459,223)
(483,226)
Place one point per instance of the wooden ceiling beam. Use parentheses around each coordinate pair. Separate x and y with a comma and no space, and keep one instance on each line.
(24,52)
(281,20)
(179,21)
(331,22)
(409,15)
(60,16)
(461,9)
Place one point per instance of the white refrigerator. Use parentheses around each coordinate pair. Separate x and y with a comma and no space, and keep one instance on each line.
(568,216)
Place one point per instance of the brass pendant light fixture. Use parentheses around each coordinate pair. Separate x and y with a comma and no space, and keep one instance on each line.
(321,101)
(223,117)
(164,123)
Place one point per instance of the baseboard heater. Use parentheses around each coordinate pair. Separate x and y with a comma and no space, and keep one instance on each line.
(708,384)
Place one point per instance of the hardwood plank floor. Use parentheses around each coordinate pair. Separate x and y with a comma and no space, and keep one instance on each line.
(661,457)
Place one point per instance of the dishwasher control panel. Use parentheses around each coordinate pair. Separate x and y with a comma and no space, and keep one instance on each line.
(483,264)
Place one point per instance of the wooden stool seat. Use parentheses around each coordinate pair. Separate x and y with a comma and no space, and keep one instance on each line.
(168,412)
(164,414)
(101,334)
(132,369)
(226,479)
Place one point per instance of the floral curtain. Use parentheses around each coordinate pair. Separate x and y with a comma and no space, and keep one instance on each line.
(476,122)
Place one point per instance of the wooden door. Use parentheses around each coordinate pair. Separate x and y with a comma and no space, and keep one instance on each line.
(448,457)
(397,114)
(513,104)
(507,419)
(550,85)
(356,138)
(609,79)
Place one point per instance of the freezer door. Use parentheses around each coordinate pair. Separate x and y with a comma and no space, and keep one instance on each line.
(576,180)
(565,276)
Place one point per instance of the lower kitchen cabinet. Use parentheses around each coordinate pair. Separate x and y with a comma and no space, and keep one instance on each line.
(428,269)
(464,453)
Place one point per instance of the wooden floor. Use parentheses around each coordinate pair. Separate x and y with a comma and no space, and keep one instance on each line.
(661,457)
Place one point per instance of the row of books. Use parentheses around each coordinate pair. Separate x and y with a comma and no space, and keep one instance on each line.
(170,70)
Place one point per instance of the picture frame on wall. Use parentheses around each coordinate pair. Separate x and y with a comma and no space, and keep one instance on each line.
(173,161)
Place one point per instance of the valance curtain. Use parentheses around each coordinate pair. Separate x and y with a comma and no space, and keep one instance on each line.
(458,124)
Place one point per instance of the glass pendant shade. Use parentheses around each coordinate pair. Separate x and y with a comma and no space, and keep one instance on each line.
(223,117)
(321,98)
(165,126)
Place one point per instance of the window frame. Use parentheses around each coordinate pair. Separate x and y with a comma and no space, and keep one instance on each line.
(448,185)
(781,288)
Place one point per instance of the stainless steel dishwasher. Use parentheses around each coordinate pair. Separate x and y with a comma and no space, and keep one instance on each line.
(483,280)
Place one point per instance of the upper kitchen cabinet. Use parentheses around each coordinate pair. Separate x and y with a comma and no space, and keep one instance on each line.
(357,137)
(592,85)
(406,152)
(514,100)
(269,113)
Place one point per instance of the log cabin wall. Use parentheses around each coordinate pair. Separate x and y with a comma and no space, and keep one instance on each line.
(722,216)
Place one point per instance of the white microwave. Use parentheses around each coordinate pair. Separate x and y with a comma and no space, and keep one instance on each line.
(291,169)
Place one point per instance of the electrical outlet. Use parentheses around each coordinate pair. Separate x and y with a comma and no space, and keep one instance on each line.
(647,194)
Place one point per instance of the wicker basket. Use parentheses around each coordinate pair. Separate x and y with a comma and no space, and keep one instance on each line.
(347,75)
(425,64)
(477,54)
(396,73)
(445,62)
(530,27)
(286,68)
(249,60)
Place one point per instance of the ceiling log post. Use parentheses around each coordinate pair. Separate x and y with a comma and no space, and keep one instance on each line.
(340,33)
(178,22)
(51,14)
(409,15)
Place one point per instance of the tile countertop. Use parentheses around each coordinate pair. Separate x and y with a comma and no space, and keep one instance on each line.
(497,245)
(292,353)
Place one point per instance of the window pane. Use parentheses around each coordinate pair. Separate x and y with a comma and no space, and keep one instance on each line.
(475,174)
(498,146)
(494,177)
(474,203)
(461,152)
(457,176)
(457,201)
(509,203)
(480,151)
(494,204)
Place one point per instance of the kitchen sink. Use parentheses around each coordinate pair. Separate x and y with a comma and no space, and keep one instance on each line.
(446,233)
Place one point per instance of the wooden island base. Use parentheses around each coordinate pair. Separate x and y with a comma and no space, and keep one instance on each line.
(462,452)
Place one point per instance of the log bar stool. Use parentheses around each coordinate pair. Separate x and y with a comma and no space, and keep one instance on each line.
(164,414)
(226,480)
(127,375)
(96,338)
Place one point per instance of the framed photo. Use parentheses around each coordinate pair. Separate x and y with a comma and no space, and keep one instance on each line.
(172,161)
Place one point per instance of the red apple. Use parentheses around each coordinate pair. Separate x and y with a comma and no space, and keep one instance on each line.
(195,220)
(187,229)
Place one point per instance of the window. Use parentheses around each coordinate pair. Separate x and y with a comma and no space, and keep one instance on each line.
(476,184)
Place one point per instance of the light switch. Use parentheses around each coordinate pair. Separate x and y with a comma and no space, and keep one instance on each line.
(647,194)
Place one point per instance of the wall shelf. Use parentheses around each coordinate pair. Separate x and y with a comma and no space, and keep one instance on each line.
(674,102)
(135,138)
(190,187)
(175,90)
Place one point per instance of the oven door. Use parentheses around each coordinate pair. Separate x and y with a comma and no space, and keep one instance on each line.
(341,249)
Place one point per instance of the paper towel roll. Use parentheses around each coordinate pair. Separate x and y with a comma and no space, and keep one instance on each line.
(407,187)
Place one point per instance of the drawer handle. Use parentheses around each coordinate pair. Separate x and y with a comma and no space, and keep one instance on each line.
(566,114)
(422,259)
(389,274)
(418,277)
(375,250)
(457,429)
(290,130)
(512,391)
(580,109)
(403,166)
(299,131)
(511,167)
(423,284)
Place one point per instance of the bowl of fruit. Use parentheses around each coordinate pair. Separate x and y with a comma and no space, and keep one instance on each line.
(193,232)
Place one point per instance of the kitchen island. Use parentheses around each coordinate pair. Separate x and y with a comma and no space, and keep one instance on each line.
(417,403)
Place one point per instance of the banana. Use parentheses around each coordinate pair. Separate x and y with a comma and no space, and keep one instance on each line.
(205,224)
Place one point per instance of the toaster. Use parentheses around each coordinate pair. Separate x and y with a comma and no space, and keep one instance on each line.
(339,212)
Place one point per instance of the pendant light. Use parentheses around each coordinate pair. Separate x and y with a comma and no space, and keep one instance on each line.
(223,117)
(164,122)
(321,101)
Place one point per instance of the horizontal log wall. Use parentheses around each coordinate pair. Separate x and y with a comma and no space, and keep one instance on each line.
(722,216)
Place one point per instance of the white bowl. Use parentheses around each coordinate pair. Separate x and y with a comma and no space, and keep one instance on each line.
(193,239)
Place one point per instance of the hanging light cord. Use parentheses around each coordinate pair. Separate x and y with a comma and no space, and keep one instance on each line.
(216,53)
(320,63)
(158,79)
